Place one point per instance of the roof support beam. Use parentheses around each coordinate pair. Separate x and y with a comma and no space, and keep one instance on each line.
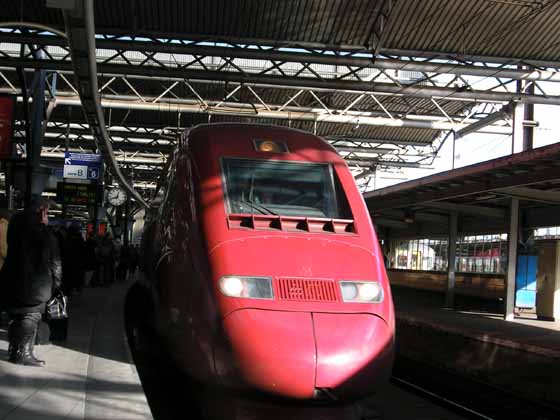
(271,45)
(395,224)
(447,193)
(318,115)
(283,107)
(531,194)
(494,213)
(502,114)
(315,57)
(377,141)
(395,163)
(370,150)
(289,113)
(157,160)
(267,80)
(86,142)
(416,216)
(446,56)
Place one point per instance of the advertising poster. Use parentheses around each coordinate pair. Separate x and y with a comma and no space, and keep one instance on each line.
(7,115)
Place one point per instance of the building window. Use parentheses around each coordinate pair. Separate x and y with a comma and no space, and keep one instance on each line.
(552,232)
(419,254)
(475,254)
(482,254)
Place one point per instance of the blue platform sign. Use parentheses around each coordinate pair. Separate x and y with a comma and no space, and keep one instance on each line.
(82,165)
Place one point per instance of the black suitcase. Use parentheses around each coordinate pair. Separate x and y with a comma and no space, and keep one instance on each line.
(43,333)
(59,329)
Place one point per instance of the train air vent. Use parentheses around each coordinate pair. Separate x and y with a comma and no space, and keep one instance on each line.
(306,290)
(291,223)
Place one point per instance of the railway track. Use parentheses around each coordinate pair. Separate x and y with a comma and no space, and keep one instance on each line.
(442,401)
(468,398)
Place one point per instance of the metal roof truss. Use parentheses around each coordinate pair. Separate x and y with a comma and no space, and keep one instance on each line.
(308,88)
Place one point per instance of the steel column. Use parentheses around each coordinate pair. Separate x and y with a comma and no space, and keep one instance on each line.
(37,113)
(512,259)
(451,257)
(523,115)
(528,118)
(28,146)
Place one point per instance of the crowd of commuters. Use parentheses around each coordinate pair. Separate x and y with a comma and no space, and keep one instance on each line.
(95,261)
(37,260)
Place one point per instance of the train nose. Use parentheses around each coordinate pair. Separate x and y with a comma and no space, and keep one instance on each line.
(354,352)
(274,350)
(295,354)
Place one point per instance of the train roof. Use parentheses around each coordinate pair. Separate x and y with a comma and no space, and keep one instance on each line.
(295,139)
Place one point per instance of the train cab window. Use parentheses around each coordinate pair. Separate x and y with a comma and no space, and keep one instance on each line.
(283,188)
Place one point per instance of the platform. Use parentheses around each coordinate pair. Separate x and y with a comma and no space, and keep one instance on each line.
(522,356)
(88,376)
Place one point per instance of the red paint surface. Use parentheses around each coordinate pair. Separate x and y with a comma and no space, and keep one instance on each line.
(353,350)
(300,257)
(274,350)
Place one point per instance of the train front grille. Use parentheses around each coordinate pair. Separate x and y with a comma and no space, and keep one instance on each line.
(306,290)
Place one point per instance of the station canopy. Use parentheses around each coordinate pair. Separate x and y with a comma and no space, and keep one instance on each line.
(386,82)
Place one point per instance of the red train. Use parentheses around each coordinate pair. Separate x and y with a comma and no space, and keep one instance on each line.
(264,267)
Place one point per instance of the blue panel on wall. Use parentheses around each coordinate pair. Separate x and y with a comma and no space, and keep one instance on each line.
(525,299)
(532,272)
(521,275)
(526,281)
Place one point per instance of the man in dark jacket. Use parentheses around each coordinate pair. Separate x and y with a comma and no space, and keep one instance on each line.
(31,272)
(73,253)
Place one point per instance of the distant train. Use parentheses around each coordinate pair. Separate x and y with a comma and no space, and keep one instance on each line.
(264,269)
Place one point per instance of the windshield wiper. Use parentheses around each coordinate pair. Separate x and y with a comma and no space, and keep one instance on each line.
(262,209)
(241,204)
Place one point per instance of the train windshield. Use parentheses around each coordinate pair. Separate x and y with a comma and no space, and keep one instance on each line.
(283,188)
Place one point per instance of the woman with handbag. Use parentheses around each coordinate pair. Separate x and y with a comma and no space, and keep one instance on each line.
(31,272)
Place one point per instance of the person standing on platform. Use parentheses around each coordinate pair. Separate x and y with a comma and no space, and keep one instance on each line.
(31,272)
(5,216)
(107,257)
(123,263)
(74,252)
(90,261)
(133,260)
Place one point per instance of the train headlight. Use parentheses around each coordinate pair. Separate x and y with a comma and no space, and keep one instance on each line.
(349,291)
(231,286)
(270,146)
(361,291)
(247,287)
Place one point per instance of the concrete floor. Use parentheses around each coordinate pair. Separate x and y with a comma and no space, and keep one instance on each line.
(525,332)
(88,376)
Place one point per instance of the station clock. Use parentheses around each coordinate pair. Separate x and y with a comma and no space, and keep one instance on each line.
(116,197)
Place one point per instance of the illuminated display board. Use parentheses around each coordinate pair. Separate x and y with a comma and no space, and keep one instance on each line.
(78,194)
